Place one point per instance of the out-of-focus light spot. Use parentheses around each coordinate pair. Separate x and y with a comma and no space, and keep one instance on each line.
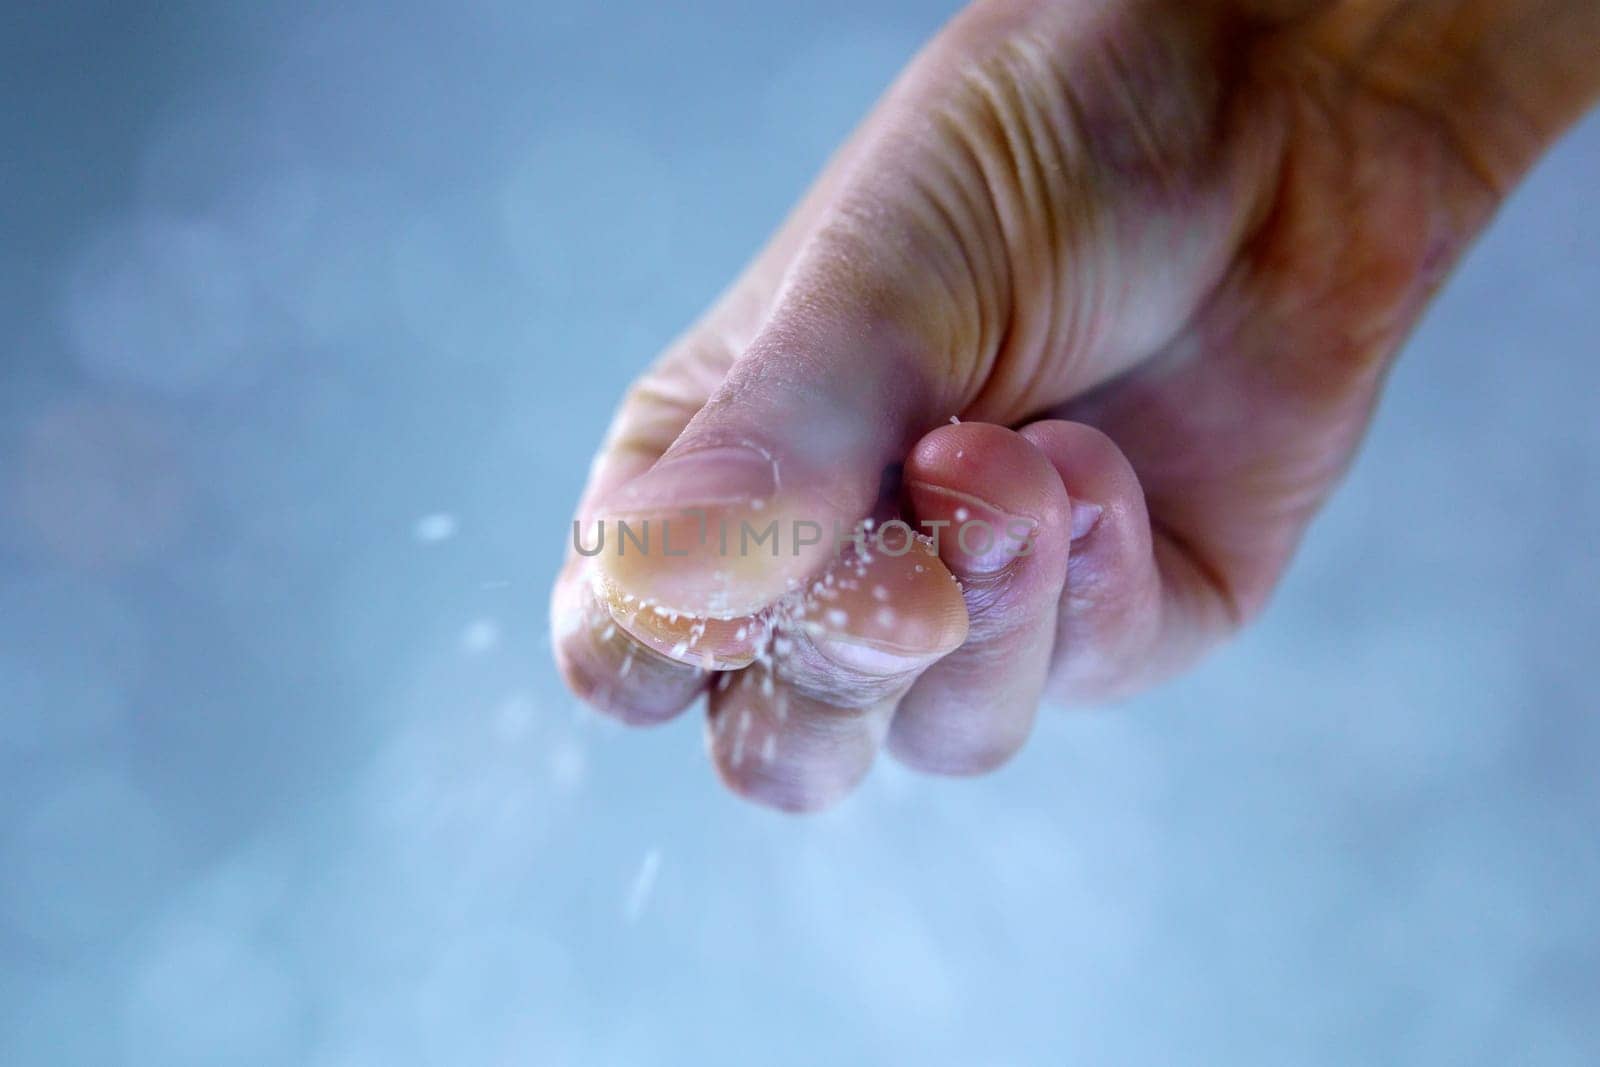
(70,652)
(318,245)
(451,296)
(67,850)
(99,484)
(432,529)
(203,995)
(165,304)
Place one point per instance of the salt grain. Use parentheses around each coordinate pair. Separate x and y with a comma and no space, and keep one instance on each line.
(432,529)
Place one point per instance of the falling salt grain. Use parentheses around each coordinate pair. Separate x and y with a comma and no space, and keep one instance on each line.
(879,593)
(480,637)
(644,883)
(432,529)
(835,617)
(955,420)
(962,514)
(769,748)
(679,649)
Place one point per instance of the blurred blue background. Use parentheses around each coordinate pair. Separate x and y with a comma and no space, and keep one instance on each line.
(310,318)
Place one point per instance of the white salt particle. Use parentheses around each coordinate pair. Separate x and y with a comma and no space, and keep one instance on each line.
(480,637)
(431,529)
(962,514)
(955,420)
(838,618)
(644,883)
(879,593)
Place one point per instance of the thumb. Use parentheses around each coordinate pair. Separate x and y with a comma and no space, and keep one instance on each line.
(882,310)
(785,458)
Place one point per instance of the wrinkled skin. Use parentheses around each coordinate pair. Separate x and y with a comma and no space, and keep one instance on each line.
(1157,257)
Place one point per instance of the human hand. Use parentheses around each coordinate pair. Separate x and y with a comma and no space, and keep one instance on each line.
(1157,256)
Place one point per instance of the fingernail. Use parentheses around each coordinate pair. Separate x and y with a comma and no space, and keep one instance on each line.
(994,549)
(1085,516)
(871,658)
(723,475)
(985,539)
